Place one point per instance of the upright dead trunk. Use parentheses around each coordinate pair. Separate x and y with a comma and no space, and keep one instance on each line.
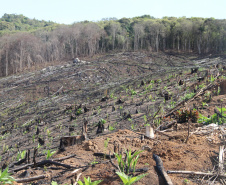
(178,43)
(189,45)
(199,45)
(21,55)
(157,41)
(7,62)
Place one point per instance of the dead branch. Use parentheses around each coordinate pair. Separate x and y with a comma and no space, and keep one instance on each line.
(78,176)
(30,179)
(53,162)
(196,173)
(166,125)
(159,165)
(63,158)
(57,93)
(41,163)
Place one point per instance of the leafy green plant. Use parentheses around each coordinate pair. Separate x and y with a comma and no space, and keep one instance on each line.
(103,121)
(54,183)
(212,79)
(214,118)
(33,138)
(131,161)
(79,111)
(94,162)
(5,177)
(172,103)
(49,154)
(130,119)
(157,122)
(106,143)
(149,87)
(88,182)
(111,95)
(204,104)
(202,86)
(111,128)
(186,181)
(145,119)
(5,148)
(127,180)
(48,132)
(218,90)
(133,92)
(20,155)
(188,96)
(39,146)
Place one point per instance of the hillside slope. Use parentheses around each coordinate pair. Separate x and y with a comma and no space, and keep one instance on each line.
(123,91)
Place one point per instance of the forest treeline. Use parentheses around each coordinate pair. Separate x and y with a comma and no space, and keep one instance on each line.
(27,42)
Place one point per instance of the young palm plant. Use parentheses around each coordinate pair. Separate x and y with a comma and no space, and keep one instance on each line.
(126,165)
(88,182)
(128,180)
(5,177)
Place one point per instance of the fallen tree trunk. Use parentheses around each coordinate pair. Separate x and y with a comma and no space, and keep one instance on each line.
(159,165)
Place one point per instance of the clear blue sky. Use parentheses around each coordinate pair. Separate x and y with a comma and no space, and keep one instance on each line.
(69,11)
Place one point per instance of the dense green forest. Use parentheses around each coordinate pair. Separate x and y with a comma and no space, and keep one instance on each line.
(26,42)
(11,23)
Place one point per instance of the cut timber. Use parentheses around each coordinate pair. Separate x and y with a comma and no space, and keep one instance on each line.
(196,173)
(159,165)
